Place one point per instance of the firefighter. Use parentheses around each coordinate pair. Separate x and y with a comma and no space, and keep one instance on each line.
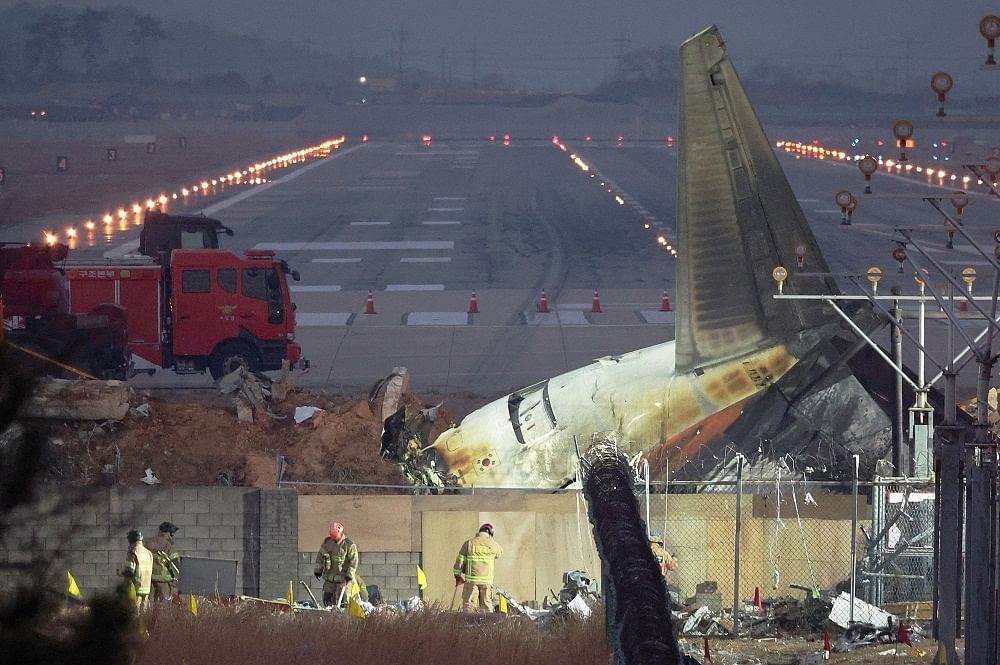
(664,559)
(474,569)
(336,565)
(138,568)
(166,562)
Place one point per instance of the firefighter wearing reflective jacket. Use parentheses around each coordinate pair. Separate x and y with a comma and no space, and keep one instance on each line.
(474,569)
(138,568)
(664,559)
(166,562)
(336,564)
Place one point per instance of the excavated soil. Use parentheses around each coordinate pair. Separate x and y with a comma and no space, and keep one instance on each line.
(196,440)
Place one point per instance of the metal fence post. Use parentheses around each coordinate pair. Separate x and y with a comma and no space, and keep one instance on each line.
(854,536)
(736,554)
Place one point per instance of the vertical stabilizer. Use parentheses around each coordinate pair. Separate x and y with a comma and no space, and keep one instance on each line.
(737,220)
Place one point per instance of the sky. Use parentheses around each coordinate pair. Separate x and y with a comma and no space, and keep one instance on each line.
(545,42)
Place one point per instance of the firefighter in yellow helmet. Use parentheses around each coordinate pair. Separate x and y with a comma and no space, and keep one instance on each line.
(166,562)
(138,568)
(474,569)
(666,561)
(336,564)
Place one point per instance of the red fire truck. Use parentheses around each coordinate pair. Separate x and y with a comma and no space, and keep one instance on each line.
(198,309)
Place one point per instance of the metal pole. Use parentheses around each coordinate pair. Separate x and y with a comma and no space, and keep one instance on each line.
(901,453)
(854,536)
(736,553)
(980,598)
(645,473)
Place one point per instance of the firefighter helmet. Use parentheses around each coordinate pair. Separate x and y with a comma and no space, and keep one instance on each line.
(487,527)
(336,531)
(134,536)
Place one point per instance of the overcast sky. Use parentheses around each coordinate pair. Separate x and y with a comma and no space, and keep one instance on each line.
(553,40)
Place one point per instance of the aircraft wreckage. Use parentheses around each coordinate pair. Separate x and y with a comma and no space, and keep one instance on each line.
(781,382)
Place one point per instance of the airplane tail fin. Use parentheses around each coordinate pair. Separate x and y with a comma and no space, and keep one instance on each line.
(737,220)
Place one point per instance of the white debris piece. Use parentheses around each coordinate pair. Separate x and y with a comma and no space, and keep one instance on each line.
(149,478)
(863,612)
(695,619)
(579,607)
(304,413)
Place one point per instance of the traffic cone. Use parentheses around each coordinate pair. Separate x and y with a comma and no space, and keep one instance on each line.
(757,605)
(827,650)
(665,302)
(595,305)
(473,303)
(963,306)
(543,303)
(370,303)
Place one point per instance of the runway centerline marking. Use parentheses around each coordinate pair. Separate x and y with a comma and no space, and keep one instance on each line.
(316,288)
(425,259)
(414,287)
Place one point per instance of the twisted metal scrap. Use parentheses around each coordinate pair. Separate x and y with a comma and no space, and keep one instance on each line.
(638,623)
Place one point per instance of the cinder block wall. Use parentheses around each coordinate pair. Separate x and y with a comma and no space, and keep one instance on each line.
(393,572)
(86,535)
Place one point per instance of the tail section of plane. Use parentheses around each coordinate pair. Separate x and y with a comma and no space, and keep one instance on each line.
(737,219)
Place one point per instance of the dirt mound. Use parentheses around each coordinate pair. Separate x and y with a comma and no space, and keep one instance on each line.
(197,440)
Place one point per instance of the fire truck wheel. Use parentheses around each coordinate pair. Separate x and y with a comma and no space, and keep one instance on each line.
(230,356)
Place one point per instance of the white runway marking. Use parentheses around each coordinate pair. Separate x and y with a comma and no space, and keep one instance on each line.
(425,259)
(436,319)
(355,246)
(323,319)
(352,260)
(449,198)
(318,288)
(440,223)
(808,200)
(369,223)
(414,287)
(445,209)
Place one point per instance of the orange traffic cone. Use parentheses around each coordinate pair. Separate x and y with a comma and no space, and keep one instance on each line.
(370,303)
(473,303)
(595,305)
(665,302)
(543,303)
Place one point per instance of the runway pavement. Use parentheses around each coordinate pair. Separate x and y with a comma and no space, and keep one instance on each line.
(422,227)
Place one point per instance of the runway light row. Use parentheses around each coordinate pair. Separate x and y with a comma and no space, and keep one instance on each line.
(584,167)
(252,174)
(931,171)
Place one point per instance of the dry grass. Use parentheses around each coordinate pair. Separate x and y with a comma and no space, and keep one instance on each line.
(242,636)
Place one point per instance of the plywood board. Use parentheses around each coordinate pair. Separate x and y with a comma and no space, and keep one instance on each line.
(515,571)
(560,547)
(442,534)
(375,523)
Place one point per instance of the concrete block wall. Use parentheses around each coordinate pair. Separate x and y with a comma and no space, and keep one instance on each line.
(393,572)
(279,539)
(86,535)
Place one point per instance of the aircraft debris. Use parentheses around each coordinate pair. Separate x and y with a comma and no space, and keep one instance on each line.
(149,478)
(304,413)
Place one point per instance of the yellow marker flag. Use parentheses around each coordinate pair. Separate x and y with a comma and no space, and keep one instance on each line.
(132,595)
(354,608)
(192,604)
(290,598)
(355,589)
(71,586)
(421,579)
(503,604)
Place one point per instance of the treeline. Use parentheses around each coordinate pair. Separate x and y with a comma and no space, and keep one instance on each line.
(57,45)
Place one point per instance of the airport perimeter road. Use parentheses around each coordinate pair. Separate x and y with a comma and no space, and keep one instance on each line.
(422,227)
